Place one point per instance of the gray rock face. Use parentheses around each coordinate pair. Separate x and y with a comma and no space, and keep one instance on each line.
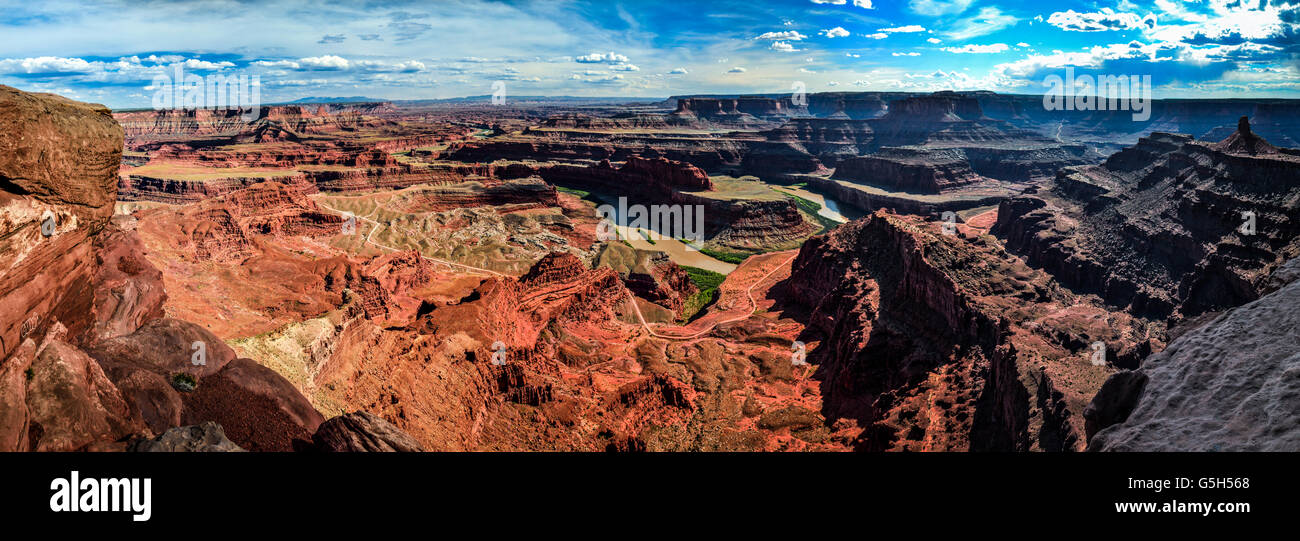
(205,438)
(362,432)
(1231,385)
(1114,401)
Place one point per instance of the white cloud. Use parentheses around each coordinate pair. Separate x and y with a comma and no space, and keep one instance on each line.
(736,69)
(608,79)
(410,66)
(1022,44)
(196,64)
(783,47)
(903,29)
(598,78)
(297,82)
(877,35)
(953,80)
(1106,19)
(1032,65)
(1231,22)
(624,67)
(907,54)
(678,71)
(598,58)
(289,64)
(164,59)
(788,35)
(326,62)
(1174,9)
(979,49)
(864,4)
(46,64)
(837,32)
(934,40)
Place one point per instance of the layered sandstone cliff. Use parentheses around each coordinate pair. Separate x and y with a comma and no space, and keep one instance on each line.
(87,360)
(945,342)
(738,223)
(1171,227)
(906,170)
(291,119)
(58,168)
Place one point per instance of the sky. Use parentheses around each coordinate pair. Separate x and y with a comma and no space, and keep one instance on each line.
(110,52)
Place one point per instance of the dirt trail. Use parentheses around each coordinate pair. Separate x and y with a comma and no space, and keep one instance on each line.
(749,293)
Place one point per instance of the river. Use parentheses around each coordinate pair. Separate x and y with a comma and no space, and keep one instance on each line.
(831,209)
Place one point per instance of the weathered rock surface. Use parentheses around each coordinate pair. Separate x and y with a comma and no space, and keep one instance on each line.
(362,432)
(1230,385)
(87,360)
(204,438)
(258,408)
(668,173)
(58,166)
(166,346)
(72,404)
(289,120)
(129,288)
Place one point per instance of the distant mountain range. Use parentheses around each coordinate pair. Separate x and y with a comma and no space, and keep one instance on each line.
(466,99)
(324,99)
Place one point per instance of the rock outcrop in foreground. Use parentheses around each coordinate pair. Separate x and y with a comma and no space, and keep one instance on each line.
(88,361)
(205,438)
(58,170)
(362,432)
(1231,385)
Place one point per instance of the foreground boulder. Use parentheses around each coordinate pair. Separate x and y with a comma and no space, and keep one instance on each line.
(362,432)
(56,398)
(205,438)
(258,408)
(129,290)
(1231,385)
(87,359)
(58,182)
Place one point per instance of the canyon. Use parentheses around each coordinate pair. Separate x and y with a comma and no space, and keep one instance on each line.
(409,277)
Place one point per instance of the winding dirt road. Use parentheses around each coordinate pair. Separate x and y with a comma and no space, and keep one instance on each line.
(749,292)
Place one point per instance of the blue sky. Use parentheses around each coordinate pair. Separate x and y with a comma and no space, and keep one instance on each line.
(109,52)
